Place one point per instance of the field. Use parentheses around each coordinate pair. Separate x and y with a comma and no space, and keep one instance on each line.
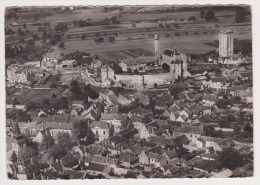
(35,95)
(193,43)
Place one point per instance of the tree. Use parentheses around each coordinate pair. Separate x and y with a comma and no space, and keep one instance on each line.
(133,25)
(168,26)
(202,14)
(74,83)
(36,37)
(15,101)
(155,85)
(240,15)
(114,20)
(230,158)
(248,128)
(161,25)
(13,157)
(210,15)
(47,142)
(27,153)
(24,25)
(223,103)
(83,37)
(176,25)
(111,39)
(61,45)
(54,95)
(80,129)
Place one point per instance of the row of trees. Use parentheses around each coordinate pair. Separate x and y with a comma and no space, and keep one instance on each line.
(89,22)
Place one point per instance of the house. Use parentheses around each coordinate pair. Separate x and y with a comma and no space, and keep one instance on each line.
(140,112)
(124,99)
(78,103)
(128,160)
(245,76)
(96,64)
(69,162)
(101,129)
(161,141)
(76,112)
(50,60)
(209,99)
(66,64)
(136,63)
(216,143)
(143,99)
(45,133)
(103,94)
(114,119)
(191,132)
(187,112)
(111,100)
(144,154)
(223,174)
(160,105)
(157,126)
(170,170)
(157,160)
(217,82)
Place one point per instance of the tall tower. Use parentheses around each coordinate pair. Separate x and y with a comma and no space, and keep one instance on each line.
(226,43)
(156,42)
(19,141)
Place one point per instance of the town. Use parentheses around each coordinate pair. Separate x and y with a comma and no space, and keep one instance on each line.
(124,96)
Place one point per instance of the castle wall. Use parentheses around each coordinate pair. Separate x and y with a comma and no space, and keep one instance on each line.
(137,81)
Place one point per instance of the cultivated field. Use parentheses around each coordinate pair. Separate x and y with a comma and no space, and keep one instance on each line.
(36,95)
(190,43)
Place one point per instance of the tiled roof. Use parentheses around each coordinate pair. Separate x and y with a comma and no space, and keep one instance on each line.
(101,124)
(128,157)
(209,97)
(160,103)
(171,153)
(180,140)
(107,116)
(69,161)
(161,141)
(139,60)
(189,129)
(219,79)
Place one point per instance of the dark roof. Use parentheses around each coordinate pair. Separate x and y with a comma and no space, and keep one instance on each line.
(101,124)
(160,103)
(180,140)
(210,97)
(128,157)
(206,118)
(169,52)
(69,161)
(96,167)
(219,79)
(57,167)
(161,141)
(171,153)
(189,129)
(116,139)
(75,174)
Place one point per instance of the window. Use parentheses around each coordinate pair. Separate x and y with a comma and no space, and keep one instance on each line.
(104,132)
(190,135)
(96,132)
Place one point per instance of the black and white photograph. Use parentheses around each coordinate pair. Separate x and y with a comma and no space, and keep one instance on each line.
(128,92)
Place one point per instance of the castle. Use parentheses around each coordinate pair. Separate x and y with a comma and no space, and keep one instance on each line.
(176,62)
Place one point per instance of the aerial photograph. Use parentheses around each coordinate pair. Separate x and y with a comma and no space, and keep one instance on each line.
(128,91)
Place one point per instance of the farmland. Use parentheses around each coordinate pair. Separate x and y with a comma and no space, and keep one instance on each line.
(199,35)
(35,95)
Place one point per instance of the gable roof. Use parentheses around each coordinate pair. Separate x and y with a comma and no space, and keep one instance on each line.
(209,97)
(101,124)
(161,141)
(189,129)
(219,79)
(180,140)
(128,157)
(69,161)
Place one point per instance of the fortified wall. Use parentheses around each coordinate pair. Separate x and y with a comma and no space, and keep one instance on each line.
(138,81)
